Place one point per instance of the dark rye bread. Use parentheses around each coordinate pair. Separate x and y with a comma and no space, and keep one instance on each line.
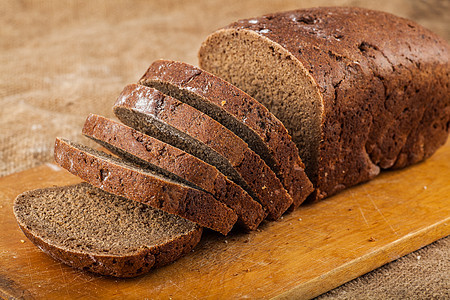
(125,179)
(352,100)
(143,149)
(128,238)
(238,112)
(184,127)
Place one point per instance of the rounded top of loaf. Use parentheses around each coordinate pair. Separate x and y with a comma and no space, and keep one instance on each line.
(325,34)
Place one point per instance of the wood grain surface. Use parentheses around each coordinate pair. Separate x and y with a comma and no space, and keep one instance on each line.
(310,251)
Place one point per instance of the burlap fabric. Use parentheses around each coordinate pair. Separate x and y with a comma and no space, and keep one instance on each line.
(60,61)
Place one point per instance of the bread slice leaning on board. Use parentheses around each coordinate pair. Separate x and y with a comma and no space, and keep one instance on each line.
(145,185)
(140,148)
(353,101)
(357,89)
(238,112)
(93,230)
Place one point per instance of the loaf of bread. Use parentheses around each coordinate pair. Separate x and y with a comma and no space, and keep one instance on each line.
(238,112)
(125,179)
(142,149)
(92,230)
(184,127)
(357,89)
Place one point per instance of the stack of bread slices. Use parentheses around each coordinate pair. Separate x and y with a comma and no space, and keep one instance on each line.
(193,150)
(206,156)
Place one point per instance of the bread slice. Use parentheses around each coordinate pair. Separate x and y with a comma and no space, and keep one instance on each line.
(184,127)
(92,230)
(240,113)
(353,101)
(122,178)
(150,152)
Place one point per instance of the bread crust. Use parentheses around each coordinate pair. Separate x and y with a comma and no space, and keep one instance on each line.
(262,180)
(137,184)
(129,265)
(116,136)
(251,114)
(385,96)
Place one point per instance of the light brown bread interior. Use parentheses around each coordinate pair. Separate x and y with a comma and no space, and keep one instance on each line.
(274,77)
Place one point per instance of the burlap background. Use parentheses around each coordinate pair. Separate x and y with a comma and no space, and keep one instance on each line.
(61,60)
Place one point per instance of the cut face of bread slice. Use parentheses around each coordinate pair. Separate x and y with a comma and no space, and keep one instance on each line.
(150,152)
(293,98)
(238,112)
(353,101)
(122,178)
(128,238)
(184,127)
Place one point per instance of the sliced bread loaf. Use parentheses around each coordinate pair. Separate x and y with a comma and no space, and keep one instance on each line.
(145,150)
(353,101)
(89,229)
(240,113)
(125,179)
(184,127)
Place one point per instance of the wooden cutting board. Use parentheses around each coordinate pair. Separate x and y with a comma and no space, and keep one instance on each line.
(308,252)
